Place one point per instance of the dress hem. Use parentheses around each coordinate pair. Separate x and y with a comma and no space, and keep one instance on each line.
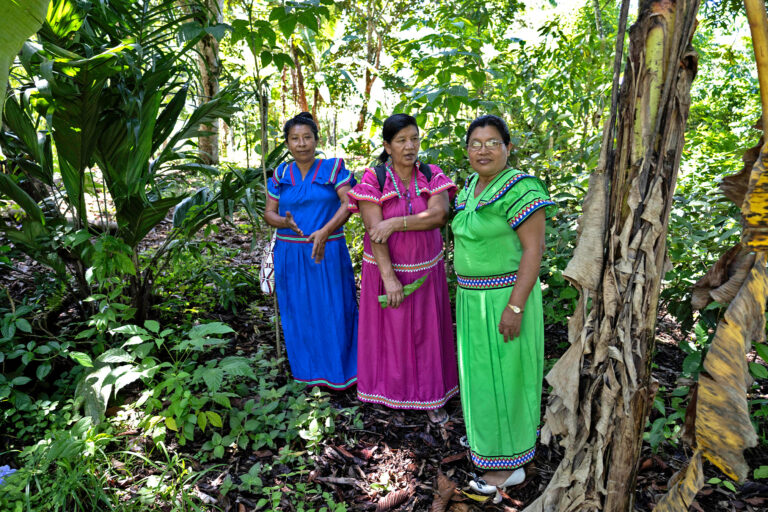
(328,384)
(408,404)
(503,462)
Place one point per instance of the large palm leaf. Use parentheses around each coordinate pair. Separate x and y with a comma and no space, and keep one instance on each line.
(20,19)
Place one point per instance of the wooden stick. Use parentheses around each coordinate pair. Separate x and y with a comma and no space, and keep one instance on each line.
(264,110)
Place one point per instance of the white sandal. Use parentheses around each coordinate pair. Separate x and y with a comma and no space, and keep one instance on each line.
(479,485)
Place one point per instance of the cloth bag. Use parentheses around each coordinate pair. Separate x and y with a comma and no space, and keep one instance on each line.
(267,270)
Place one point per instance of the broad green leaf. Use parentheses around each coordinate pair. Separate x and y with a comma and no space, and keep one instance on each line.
(208,329)
(23,325)
(214,418)
(43,370)
(19,21)
(115,355)
(20,381)
(213,377)
(20,197)
(81,358)
(152,326)
(758,371)
(170,422)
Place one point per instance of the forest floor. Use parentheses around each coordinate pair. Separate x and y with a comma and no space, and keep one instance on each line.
(381,459)
(393,461)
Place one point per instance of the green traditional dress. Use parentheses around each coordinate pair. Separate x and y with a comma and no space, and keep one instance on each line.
(500,382)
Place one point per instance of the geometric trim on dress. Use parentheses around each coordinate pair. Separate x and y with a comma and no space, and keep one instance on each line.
(297,239)
(527,210)
(327,383)
(335,171)
(407,267)
(441,188)
(486,282)
(503,462)
(461,205)
(407,404)
(344,182)
(503,190)
(364,197)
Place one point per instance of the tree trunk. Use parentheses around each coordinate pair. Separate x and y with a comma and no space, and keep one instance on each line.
(373,44)
(602,386)
(210,69)
(209,65)
(301,95)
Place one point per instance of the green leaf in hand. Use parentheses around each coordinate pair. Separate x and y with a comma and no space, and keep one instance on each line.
(407,290)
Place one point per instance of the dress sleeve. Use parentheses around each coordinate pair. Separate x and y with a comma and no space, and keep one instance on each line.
(366,190)
(441,183)
(273,185)
(341,176)
(527,196)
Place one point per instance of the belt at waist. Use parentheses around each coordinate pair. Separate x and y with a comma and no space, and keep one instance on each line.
(486,282)
(297,239)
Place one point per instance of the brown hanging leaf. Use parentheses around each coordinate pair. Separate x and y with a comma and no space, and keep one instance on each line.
(734,187)
(719,274)
(393,499)
(585,267)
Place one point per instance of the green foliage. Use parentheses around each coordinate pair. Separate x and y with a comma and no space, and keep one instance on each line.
(117,108)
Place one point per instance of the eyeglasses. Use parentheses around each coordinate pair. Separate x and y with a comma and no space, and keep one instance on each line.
(490,145)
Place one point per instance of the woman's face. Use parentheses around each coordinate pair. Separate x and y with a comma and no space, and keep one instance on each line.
(487,151)
(301,143)
(404,148)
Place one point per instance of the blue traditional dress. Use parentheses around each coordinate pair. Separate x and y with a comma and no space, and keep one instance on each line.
(318,303)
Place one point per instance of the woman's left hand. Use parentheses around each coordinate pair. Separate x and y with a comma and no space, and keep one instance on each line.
(318,239)
(381,232)
(509,326)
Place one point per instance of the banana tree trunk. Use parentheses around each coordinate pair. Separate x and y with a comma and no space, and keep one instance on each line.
(602,386)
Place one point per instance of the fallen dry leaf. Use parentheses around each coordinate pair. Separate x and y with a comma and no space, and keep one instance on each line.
(393,499)
(443,494)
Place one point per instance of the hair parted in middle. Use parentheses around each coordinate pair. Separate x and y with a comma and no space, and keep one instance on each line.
(392,125)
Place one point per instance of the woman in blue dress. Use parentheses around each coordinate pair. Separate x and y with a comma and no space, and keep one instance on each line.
(314,281)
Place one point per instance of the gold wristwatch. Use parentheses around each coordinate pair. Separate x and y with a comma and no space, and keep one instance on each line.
(514,309)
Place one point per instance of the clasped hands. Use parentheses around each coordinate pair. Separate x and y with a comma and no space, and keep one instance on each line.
(318,238)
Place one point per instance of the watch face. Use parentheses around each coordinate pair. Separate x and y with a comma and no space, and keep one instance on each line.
(515,308)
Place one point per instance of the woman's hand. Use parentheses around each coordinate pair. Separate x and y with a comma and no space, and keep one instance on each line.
(509,326)
(290,223)
(381,232)
(394,288)
(318,239)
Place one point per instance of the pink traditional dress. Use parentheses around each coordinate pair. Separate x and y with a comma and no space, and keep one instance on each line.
(406,355)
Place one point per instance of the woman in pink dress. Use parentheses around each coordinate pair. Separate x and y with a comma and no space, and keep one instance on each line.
(406,352)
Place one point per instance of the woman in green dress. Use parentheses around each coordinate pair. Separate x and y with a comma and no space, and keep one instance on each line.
(499,240)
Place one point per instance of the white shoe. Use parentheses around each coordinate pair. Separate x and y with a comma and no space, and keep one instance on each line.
(479,485)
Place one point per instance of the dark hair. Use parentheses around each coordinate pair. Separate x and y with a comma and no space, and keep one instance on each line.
(490,120)
(304,118)
(392,125)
